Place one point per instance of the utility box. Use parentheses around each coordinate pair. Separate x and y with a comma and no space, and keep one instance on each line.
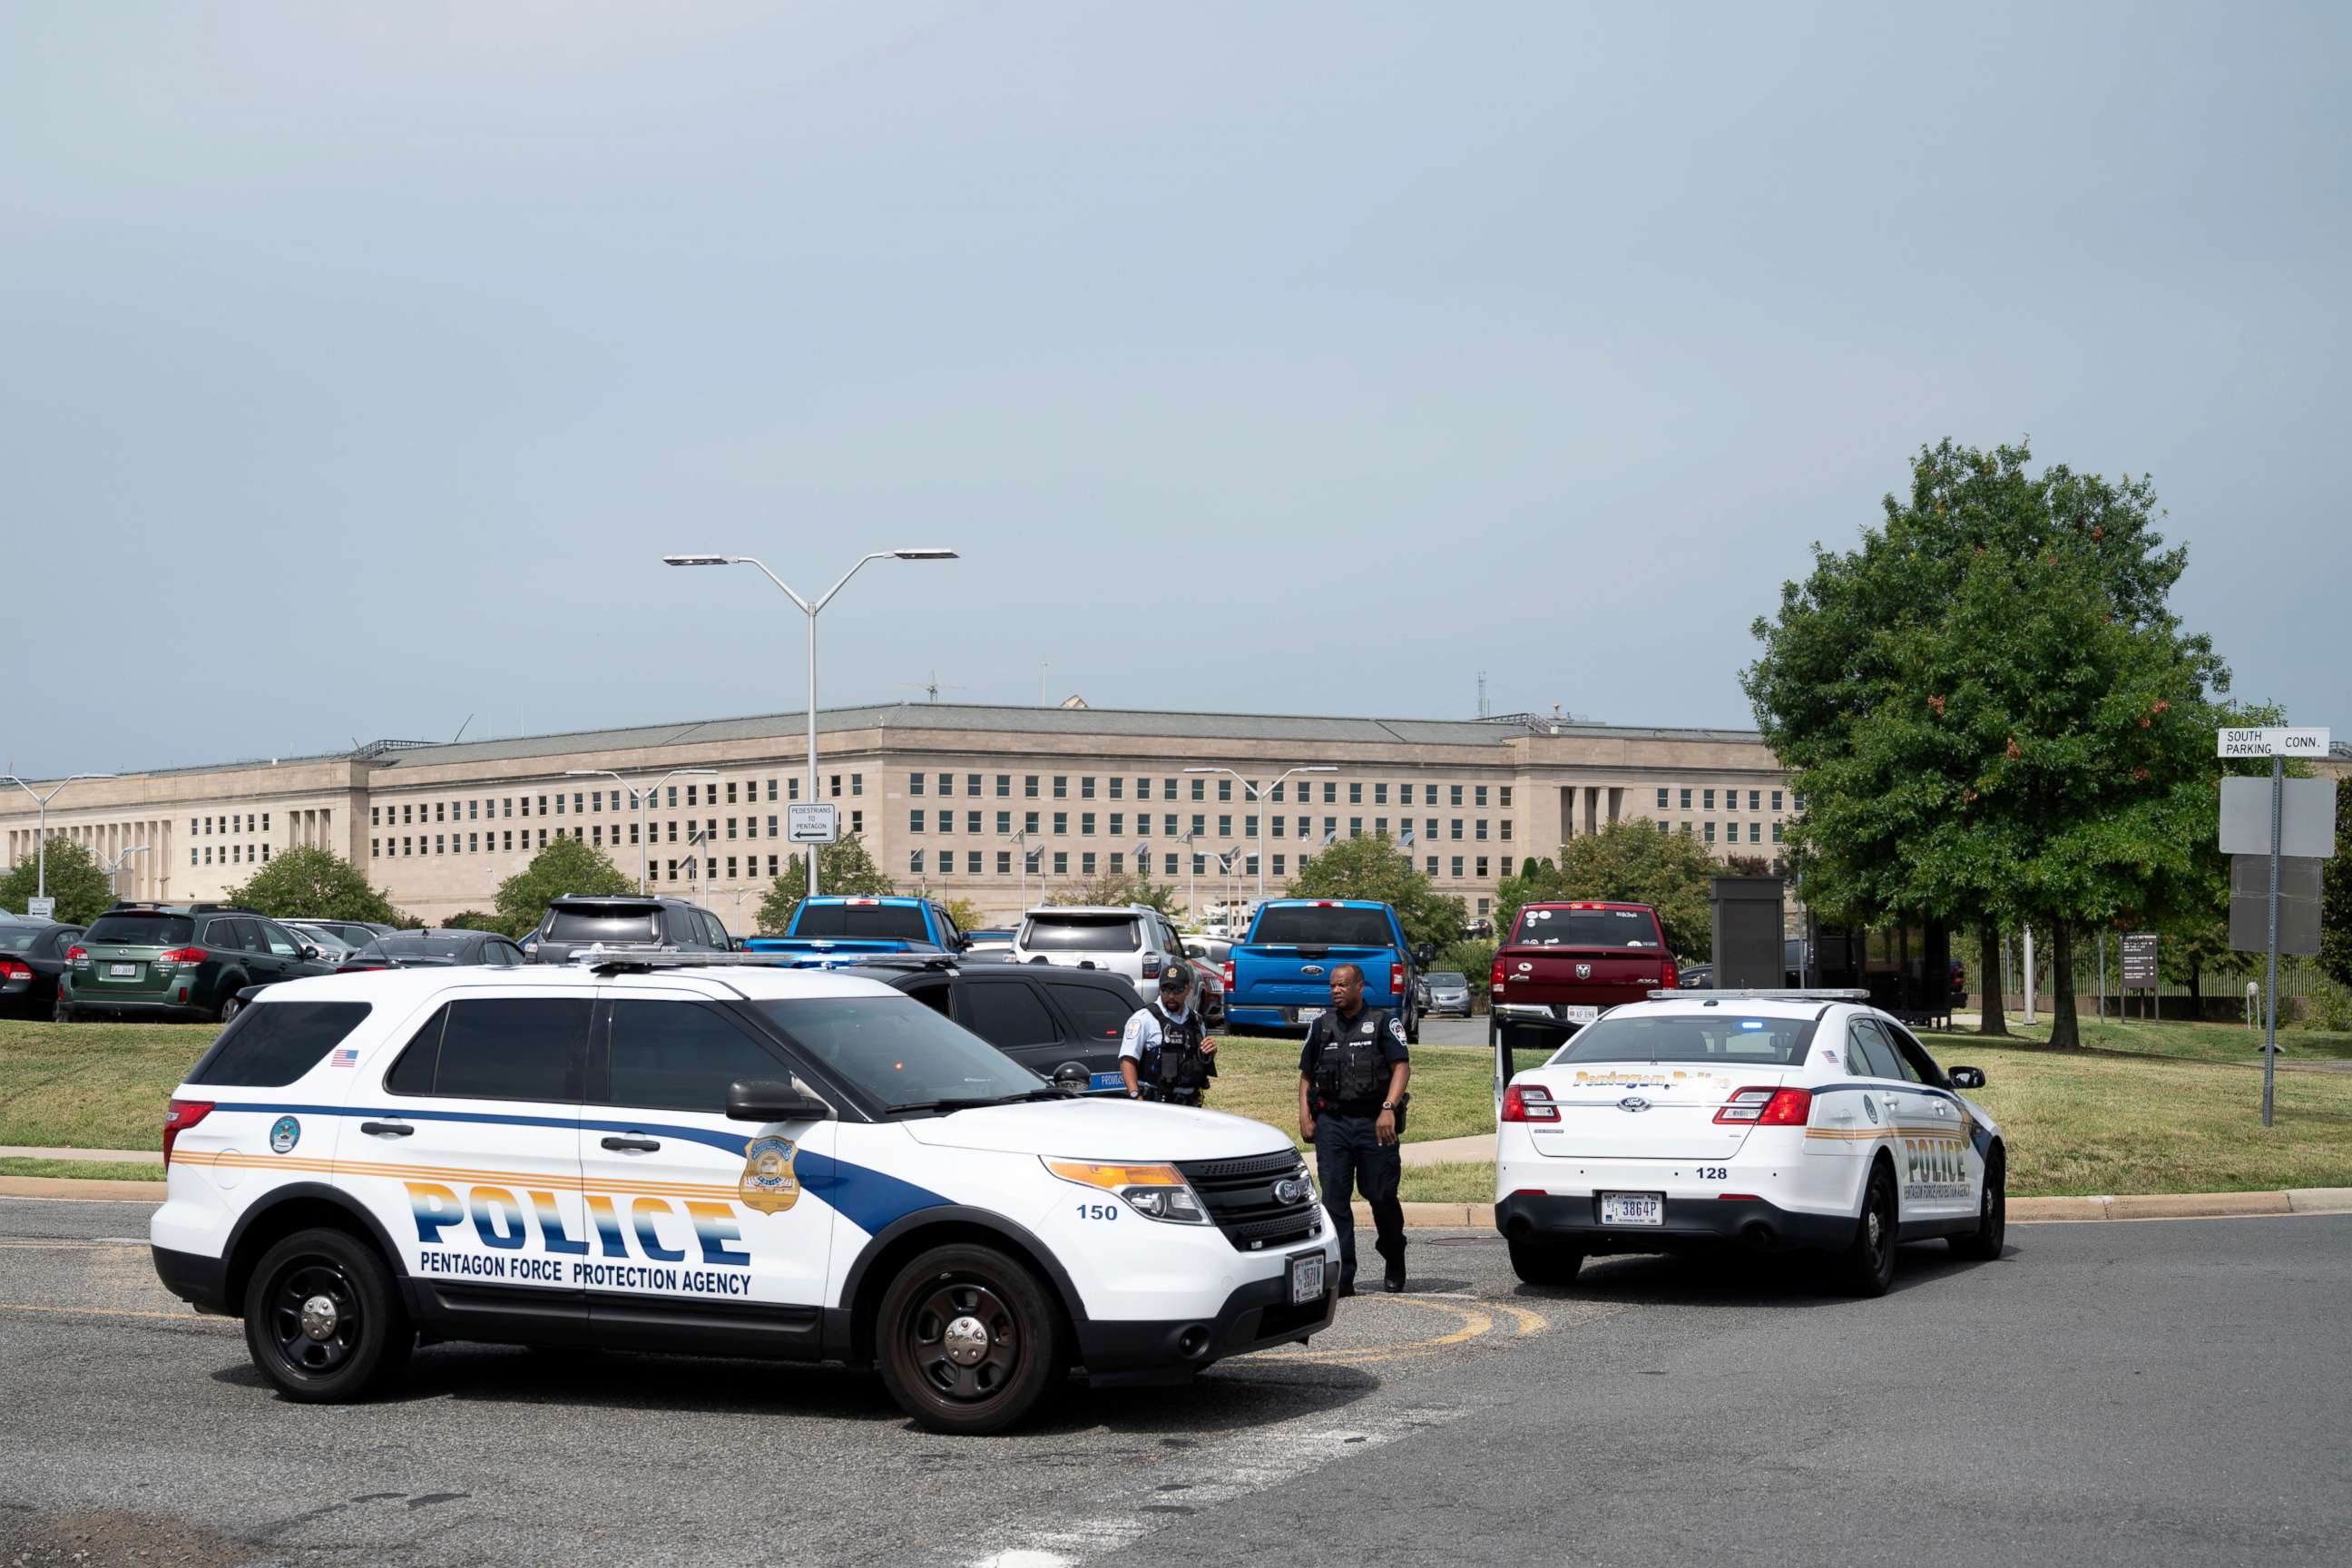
(1746,917)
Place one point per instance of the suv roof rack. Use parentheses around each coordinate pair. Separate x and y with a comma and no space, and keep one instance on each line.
(1763,994)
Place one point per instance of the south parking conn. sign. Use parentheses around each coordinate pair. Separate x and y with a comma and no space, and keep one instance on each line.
(2273,742)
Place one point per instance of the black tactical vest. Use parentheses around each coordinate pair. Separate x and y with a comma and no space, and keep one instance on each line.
(1350,1071)
(1175,1065)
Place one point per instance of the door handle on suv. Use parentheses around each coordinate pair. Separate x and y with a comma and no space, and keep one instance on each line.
(632,1145)
(387,1129)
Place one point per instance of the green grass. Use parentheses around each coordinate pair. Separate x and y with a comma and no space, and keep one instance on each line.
(93,1086)
(1453,1086)
(2203,1042)
(1448,1184)
(104,1170)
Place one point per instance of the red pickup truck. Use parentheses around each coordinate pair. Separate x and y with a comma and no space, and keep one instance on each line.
(1564,962)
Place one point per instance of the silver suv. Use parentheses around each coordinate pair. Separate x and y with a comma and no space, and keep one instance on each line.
(637,920)
(1132,941)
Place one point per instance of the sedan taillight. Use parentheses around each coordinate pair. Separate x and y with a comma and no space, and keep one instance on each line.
(1767,1106)
(78,956)
(12,970)
(1531,1103)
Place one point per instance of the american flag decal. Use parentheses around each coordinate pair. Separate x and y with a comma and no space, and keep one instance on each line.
(344,1057)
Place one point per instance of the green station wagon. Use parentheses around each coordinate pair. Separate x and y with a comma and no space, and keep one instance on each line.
(165,962)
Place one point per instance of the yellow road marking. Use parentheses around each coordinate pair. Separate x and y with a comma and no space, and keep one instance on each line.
(1473,1324)
(112,1312)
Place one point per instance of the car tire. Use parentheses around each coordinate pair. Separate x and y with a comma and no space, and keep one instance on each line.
(999,1317)
(1413,1026)
(1544,1262)
(1984,1243)
(227,1006)
(322,1319)
(231,1005)
(62,1013)
(1866,1267)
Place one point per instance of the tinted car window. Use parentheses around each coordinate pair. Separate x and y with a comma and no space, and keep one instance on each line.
(233,936)
(513,1047)
(1917,1065)
(143,930)
(1081,933)
(897,1050)
(1095,1011)
(902,921)
(1306,925)
(441,945)
(681,1056)
(1683,1037)
(1006,1012)
(629,923)
(282,941)
(1586,928)
(1866,1052)
(271,1044)
(19,939)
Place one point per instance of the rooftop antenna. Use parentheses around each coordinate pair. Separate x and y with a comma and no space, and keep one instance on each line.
(931,687)
(1484,710)
(461,731)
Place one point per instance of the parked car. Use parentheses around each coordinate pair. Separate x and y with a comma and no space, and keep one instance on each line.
(625,921)
(453,948)
(1064,1025)
(332,949)
(352,935)
(1130,939)
(1699,977)
(989,938)
(1209,991)
(1449,993)
(1280,976)
(838,926)
(32,961)
(1215,949)
(185,962)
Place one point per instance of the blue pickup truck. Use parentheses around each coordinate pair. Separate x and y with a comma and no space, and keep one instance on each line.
(845,929)
(1279,976)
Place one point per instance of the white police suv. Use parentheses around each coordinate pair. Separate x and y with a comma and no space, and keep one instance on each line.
(1774,1120)
(719,1157)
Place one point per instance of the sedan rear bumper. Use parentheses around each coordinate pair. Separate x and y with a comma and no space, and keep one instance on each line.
(1690,1224)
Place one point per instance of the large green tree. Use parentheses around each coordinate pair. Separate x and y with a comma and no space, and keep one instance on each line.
(1374,867)
(75,881)
(1991,713)
(843,867)
(565,866)
(1116,887)
(2335,895)
(313,884)
(1628,861)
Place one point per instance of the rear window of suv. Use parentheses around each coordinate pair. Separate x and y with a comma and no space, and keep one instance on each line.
(1081,933)
(271,1044)
(1297,925)
(902,922)
(142,930)
(1586,928)
(628,924)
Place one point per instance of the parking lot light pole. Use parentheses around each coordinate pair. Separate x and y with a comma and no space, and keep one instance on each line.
(41,826)
(114,867)
(1192,879)
(1257,797)
(811,608)
(638,798)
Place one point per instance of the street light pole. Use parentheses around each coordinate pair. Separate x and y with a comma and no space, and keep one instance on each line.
(638,798)
(810,608)
(114,867)
(1192,879)
(1257,797)
(41,826)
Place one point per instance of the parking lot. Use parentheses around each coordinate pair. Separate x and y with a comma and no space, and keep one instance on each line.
(2092,1396)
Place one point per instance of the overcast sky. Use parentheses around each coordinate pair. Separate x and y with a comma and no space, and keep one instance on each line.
(362,360)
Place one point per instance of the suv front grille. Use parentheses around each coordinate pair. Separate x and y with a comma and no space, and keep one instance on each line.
(1239,1197)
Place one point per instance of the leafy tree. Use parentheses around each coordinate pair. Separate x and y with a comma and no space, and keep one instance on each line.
(2335,895)
(79,887)
(843,868)
(966,915)
(1116,887)
(313,884)
(1628,861)
(477,920)
(1989,711)
(567,866)
(1374,867)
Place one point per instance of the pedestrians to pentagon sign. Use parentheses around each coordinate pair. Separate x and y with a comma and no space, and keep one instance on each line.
(813,822)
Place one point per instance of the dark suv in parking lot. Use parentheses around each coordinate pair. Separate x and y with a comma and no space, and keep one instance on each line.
(633,919)
(1064,1025)
(163,961)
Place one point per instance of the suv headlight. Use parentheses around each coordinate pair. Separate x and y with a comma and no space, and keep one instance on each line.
(1155,1192)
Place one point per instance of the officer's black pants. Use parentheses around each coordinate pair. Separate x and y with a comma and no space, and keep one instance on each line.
(1349,1155)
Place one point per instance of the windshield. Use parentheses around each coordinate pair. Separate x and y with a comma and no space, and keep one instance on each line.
(1447,978)
(899,1052)
(142,930)
(1688,1037)
(422,945)
(1308,925)
(1080,933)
(629,924)
(1586,928)
(901,921)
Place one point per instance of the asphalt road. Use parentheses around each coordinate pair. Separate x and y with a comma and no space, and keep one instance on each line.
(2106,1394)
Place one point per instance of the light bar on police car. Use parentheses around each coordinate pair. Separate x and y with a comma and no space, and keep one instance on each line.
(1761,993)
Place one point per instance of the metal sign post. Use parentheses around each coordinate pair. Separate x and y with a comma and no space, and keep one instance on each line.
(2277,743)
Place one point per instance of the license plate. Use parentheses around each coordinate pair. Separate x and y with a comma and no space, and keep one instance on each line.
(1097,1083)
(1309,1015)
(1305,1279)
(1583,1014)
(1632,1208)
(122,970)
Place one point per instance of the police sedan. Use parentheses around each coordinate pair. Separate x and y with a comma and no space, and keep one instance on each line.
(1769,1119)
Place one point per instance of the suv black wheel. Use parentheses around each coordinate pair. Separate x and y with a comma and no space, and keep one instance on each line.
(322,1319)
(1866,1267)
(1992,1212)
(966,1340)
(62,1013)
(1545,1262)
(231,1005)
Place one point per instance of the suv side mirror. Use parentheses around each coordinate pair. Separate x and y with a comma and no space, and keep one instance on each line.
(308,952)
(1966,1078)
(1424,953)
(767,1100)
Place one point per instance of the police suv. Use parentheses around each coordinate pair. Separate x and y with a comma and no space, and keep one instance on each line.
(693,1153)
(1770,1119)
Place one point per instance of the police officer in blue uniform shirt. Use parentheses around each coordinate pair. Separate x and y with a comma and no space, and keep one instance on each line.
(1166,1054)
(1351,1078)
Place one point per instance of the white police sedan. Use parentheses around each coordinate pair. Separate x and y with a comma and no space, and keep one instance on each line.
(1803,1119)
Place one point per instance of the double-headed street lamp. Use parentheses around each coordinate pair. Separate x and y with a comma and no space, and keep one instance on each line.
(41,826)
(114,866)
(638,798)
(1257,795)
(810,609)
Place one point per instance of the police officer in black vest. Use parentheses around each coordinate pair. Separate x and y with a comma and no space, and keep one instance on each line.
(1166,1054)
(1351,1078)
